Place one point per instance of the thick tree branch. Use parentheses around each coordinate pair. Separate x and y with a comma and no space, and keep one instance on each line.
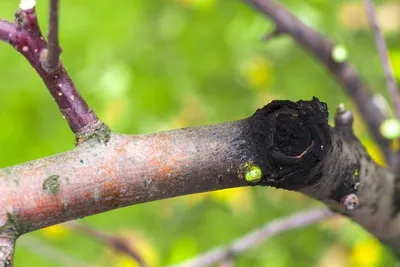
(52,62)
(25,36)
(255,238)
(285,145)
(321,47)
(383,54)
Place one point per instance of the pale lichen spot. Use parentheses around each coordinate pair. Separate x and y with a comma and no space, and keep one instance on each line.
(97,194)
(51,185)
(72,98)
(60,85)
(25,49)
(59,93)
(43,55)
(35,50)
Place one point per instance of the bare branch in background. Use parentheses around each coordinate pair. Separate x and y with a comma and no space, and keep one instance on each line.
(274,34)
(383,55)
(50,254)
(52,61)
(255,238)
(118,244)
(321,47)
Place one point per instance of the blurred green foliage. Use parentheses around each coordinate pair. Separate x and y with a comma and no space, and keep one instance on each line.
(148,66)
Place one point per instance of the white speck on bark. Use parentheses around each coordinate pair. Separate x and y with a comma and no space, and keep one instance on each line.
(27,4)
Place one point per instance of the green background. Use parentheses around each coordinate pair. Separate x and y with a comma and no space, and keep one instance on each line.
(147,66)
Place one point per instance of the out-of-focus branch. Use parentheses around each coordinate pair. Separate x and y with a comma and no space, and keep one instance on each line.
(119,244)
(321,47)
(49,253)
(52,61)
(383,54)
(255,238)
(25,36)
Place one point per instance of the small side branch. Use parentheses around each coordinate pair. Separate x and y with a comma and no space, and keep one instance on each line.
(116,243)
(255,238)
(383,54)
(52,62)
(26,37)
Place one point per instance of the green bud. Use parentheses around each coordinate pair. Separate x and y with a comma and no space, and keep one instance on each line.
(339,53)
(253,174)
(390,128)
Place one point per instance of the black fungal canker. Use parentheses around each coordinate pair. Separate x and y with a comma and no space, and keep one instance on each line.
(288,137)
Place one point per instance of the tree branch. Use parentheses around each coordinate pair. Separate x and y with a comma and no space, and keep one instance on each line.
(25,36)
(318,161)
(118,244)
(52,62)
(255,238)
(284,145)
(321,48)
(7,244)
(383,55)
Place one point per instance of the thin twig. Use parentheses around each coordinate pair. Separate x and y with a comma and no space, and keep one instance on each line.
(258,236)
(52,61)
(383,54)
(116,243)
(50,253)
(321,47)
